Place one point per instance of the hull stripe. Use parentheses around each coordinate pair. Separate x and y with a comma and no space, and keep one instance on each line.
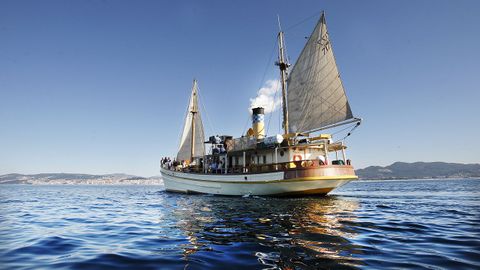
(309,178)
(317,191)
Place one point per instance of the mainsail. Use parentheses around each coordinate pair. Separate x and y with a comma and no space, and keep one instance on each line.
(192,130)
(316,97)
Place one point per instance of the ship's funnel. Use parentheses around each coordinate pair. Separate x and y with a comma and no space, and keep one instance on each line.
(258,124)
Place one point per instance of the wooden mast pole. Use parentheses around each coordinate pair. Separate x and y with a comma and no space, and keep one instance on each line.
(283,66)
(193,112)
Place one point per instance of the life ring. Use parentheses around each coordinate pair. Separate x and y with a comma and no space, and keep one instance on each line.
(297,157)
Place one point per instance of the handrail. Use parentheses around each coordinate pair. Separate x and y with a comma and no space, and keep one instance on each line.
(262,168)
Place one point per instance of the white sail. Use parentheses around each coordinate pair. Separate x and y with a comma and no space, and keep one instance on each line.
(316,97)
(193,126)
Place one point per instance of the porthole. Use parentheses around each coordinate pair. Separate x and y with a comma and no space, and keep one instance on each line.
(282,153)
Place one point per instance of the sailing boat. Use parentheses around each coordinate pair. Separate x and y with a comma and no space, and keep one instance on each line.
(297,162)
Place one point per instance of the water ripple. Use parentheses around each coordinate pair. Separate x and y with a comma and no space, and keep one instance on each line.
(422,224)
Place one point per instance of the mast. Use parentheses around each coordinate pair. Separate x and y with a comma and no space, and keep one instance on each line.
(193,112)
(283,66)
(191,147)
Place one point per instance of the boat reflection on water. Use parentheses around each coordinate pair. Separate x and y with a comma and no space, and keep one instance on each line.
(258,232)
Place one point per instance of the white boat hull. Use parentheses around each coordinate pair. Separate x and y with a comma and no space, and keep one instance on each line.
(273,183)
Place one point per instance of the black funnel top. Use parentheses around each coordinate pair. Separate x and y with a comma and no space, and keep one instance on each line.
(258,110)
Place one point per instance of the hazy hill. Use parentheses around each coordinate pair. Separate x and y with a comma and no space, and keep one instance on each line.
(76,178)
(403,170)
(398,170)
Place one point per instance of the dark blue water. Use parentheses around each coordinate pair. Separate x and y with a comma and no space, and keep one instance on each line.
(395,224)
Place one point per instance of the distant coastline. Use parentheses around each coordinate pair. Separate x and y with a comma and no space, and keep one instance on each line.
(395,171)
(420,170)
(78,179)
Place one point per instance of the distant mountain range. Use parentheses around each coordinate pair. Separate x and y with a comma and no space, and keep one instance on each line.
(398,170)
(420,170)
(76,178)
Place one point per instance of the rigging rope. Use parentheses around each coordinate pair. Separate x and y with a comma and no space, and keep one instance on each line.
(316,14)
(266,68)
(262,82)
(200,100)
(268,64)
(349,133)
(246,125)
(272,108)
(347,127)
(182,127)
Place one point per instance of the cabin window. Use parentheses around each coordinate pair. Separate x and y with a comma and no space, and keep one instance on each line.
(236,161)
(264,159)
(258,159)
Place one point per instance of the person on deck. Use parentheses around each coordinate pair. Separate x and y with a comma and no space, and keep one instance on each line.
(321,160)
(220,166)
(213,167)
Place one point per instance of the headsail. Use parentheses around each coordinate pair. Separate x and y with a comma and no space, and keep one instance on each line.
(193,134)
(316,97)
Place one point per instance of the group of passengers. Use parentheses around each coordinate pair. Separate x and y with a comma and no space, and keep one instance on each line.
(170,164)
(166,162)
(215,167)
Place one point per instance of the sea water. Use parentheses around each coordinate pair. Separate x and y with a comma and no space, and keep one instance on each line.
(383,224)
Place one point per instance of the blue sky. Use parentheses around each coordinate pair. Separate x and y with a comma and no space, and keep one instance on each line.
(102,86)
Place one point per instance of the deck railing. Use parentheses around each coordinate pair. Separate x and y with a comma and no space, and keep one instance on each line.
(261,168)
